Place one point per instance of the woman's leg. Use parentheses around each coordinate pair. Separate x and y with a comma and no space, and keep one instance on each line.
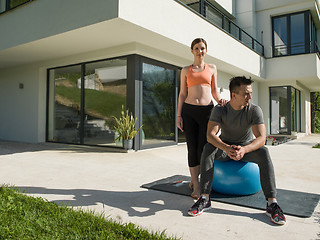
(191,130)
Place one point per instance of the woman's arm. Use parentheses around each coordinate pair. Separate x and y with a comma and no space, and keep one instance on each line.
(214,86)
(182,96)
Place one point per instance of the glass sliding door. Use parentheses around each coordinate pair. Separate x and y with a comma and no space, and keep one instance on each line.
(158,105)
(285,110)
(82,101)
(64,116)
(105,91)
(293,110)
(83,98)
(279,110)
(298,110)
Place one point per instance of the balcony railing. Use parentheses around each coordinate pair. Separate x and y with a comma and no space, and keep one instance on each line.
(295,49)
(220,20)
(7,5)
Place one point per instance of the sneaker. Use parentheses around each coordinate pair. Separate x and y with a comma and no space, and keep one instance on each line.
(200,206)
(275,212)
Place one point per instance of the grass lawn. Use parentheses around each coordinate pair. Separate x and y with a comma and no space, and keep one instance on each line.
(317,145)
(25,217)
(105,103)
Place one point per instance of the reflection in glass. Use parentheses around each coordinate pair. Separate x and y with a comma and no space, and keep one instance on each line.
(64,105)
(279,113)
(158,104)
(297,34)
(285,109)
(294,34)
(280,40)
(105,86)
(104,93)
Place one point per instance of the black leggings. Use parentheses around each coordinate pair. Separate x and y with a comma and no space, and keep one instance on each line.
(195,123)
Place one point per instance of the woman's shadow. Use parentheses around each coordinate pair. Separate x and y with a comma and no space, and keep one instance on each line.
(139,203)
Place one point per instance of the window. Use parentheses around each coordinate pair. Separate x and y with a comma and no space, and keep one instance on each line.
(82,100)
(105,91)
(158,104)
(64,105)
(285,110)
(293,34)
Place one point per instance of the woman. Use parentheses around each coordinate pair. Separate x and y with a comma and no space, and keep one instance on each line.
(198,85)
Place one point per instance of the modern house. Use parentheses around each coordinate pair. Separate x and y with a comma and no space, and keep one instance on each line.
(67,67)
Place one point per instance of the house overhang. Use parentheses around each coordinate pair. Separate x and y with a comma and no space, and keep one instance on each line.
(305,69)
(160,26)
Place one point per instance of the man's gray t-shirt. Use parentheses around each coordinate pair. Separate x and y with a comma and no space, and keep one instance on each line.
(236,124)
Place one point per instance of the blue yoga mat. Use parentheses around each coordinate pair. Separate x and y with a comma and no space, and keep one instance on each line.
(299,204)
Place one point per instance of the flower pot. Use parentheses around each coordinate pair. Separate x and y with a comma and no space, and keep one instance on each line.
(127,143)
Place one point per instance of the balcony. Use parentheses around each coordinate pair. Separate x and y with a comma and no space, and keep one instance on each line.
(206,9)
(295,49)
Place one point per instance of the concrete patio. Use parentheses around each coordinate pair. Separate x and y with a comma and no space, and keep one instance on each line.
(103,181)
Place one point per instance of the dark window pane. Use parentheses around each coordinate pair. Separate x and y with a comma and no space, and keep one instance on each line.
(297,34)
(158,105)
(64,105)
(279,112)
(280,40)
(105,93)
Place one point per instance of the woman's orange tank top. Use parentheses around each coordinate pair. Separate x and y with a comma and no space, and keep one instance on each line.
(199,78)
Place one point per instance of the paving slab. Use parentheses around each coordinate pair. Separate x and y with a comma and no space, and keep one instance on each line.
(110,182)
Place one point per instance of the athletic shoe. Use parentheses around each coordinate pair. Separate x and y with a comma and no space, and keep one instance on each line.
(200,206)
(275,213)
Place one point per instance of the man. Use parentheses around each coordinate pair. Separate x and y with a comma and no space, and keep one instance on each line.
(238,121)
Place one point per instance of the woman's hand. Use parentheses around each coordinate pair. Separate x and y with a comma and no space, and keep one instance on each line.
(179,123)
(223,102)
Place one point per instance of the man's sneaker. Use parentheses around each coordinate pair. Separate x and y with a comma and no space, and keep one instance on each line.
(276,214)
(201,205)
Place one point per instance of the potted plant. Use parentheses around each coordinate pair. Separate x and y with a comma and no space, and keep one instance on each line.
(125,127)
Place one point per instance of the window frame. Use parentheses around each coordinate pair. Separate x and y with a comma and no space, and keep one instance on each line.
(308,23)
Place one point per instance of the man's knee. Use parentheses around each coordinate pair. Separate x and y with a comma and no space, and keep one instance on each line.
(208,149)
(264,152)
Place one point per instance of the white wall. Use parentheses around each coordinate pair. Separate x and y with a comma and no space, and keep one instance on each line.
(246,16)
(19,107)
(40,19)
(221,47)
(227,5)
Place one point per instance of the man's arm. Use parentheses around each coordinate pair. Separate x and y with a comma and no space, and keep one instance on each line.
(212,138)
(259,131)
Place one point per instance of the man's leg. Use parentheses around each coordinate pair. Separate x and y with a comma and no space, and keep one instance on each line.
(267,178)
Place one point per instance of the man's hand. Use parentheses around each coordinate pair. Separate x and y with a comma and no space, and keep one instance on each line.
(236,152)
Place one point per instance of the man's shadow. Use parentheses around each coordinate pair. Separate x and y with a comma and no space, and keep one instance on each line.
(137,204)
